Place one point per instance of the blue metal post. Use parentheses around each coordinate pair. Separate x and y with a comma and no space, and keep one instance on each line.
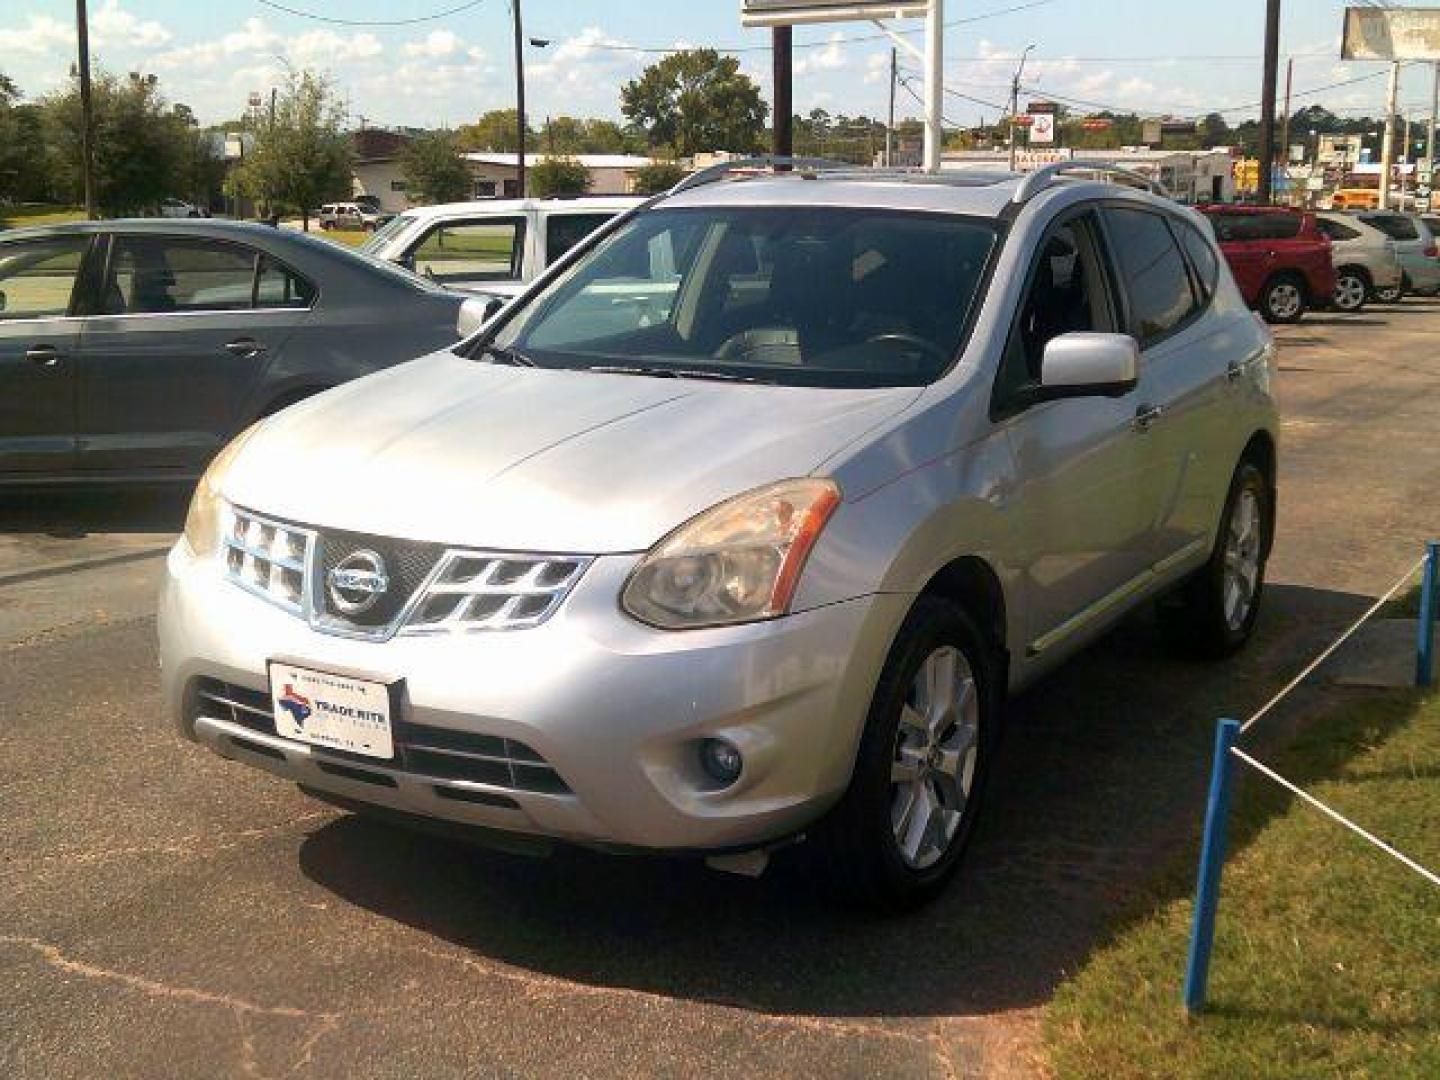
(1429,586)
(1212,858)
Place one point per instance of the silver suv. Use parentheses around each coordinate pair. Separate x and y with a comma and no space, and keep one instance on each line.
(740,525)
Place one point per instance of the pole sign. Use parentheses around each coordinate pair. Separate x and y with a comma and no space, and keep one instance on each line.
(1042,122)
(1385,33)
(791,12)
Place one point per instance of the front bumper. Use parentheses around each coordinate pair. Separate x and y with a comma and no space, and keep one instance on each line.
(615,708)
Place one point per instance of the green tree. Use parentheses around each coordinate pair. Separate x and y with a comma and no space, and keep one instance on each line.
(139,145)
(661,176)
(495,130)
(694,101)
(433,169)
(575,135)
(304,157)
(553,176)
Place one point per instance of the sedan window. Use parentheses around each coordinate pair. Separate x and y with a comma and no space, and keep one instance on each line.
(152,275)
(37,278)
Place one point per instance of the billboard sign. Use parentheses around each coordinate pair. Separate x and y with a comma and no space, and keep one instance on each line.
(1373,33)
(791,12)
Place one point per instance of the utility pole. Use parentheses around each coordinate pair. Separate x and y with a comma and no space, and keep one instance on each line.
(782,69)
(1265,190)
(1434,108)
(272,110)
(1387,149)
(1015,101)
(1285,118)
(519,100)
(934,83)
(87,124)
(890,121)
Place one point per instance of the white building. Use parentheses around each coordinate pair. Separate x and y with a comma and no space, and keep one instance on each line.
(1192,176)
(610,174)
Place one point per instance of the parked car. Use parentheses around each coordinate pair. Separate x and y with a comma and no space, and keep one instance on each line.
(493,246)
(179,208)
(349,215)
(134,350)
(1416,247)
(1432,222)
(1366,263)
(741,529)
(1280,259)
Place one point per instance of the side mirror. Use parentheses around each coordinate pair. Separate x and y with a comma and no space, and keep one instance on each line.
(475,312)
(1088,365)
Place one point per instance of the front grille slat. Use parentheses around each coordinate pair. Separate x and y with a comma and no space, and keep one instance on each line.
(442,753)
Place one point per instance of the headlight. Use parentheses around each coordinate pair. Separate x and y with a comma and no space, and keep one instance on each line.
(202,520)
(737,562)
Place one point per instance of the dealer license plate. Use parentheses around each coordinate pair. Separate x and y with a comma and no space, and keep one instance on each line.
(334,711)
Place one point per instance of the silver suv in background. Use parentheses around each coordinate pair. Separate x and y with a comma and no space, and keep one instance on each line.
(739,528)
(1416,247)
(1366,263)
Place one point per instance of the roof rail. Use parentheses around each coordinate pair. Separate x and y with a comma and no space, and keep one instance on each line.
(1037,181)
(761,161)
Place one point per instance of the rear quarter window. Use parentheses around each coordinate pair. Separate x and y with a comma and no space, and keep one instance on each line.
(1393,226)
(1336,230)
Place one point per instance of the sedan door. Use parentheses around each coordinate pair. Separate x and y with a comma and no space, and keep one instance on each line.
(39,338)
(186,328)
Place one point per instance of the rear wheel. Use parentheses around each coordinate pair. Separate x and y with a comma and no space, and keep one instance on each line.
(897,836)
(1352,286)
(1283,299)
(1212,614)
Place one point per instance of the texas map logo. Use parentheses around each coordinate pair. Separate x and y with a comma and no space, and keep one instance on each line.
(296,704)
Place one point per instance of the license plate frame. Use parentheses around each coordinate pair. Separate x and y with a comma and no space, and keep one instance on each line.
(329,710)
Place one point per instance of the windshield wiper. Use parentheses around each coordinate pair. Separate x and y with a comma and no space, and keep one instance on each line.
(500,355)
(671,373)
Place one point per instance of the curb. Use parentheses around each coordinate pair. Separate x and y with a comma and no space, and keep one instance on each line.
(54,569)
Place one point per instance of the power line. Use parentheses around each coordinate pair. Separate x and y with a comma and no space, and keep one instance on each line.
(371,22)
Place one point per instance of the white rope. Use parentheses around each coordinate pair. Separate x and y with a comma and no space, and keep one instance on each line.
(1304,674)
(1428,875)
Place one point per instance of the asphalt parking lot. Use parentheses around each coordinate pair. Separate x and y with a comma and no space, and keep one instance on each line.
(172,914)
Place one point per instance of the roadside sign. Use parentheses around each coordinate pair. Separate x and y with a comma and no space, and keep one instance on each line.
(1042,127)
(1385,33)
(791,12)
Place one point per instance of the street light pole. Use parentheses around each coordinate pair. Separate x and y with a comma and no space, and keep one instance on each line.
(1015,100)
(87,126)
(519,100)
(934,83)
(890,119)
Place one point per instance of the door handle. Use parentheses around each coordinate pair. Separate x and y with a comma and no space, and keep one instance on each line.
(1233,370)
(45,356)
(1146,415)
(245,346)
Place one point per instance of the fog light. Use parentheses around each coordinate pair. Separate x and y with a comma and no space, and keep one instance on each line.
(721,761)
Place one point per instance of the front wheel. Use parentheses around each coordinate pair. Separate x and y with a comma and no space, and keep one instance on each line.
(1213,613)
(1351,289)
(897,836)
(1283,300)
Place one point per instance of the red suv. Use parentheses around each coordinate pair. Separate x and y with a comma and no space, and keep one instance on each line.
(1280,259)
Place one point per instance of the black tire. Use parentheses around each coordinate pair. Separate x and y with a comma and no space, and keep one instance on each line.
(1194,617)
(1390,294)
(1283,299)
(1352,289)
(856,843)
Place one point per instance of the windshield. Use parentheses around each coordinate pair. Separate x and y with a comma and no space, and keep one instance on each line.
(821,296)
(381,236)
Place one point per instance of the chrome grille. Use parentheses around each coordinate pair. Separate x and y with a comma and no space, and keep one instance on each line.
(435,590)
(473,591)
(268,558)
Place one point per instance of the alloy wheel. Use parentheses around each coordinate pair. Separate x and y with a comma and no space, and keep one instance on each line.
(1285,300)
(1242,558)
(936,748)
(1349,292)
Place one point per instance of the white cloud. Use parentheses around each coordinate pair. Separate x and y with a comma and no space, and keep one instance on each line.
(112,25)
(435,43)
(829,58)
(326,47)
(41,34)
(877,67)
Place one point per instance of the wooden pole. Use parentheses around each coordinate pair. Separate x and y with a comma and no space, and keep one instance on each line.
(87,124)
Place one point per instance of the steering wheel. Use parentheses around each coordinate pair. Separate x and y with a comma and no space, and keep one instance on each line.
(900,338)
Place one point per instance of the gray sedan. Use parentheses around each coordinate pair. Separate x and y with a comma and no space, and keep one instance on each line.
(134,350)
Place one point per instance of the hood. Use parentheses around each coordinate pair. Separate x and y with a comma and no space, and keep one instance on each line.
(524,459)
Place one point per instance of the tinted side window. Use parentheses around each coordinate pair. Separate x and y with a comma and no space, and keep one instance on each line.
(1275,226)
(37,278)
(1336,230)
(1393,226)
(564,231)
(279,287)
(1152,272)
(158,274)
(1202,258)
(490,250)
(1067,292)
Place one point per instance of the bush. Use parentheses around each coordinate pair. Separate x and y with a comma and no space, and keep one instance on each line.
(662,176)
(558,176)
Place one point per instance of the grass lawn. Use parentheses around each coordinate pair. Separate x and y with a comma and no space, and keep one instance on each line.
(347,237)
(1327,954)
(18,217)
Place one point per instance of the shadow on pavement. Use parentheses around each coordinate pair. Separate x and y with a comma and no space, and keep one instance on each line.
(1100,779)
(74,514)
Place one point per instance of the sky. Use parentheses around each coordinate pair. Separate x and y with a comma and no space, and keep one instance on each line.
(1153,56)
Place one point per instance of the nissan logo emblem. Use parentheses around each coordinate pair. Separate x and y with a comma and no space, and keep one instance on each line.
(357,582)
